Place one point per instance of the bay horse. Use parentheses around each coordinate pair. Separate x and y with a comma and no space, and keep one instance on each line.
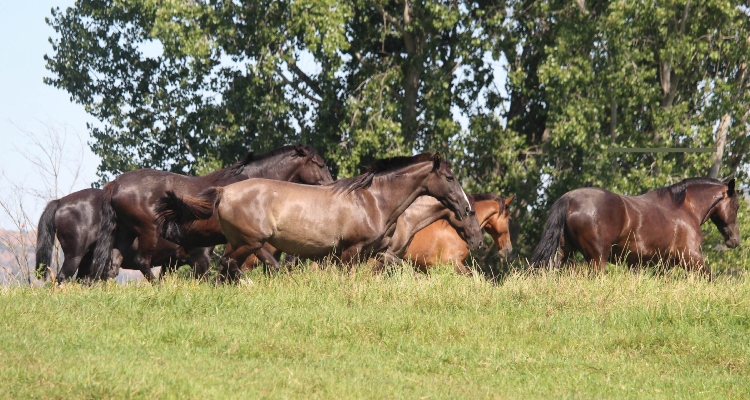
(349,218)
(440,243)
(660,225)
(129,202)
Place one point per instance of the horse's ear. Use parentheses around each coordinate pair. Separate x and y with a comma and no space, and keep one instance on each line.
(300,150)
(509,200)
(730,191)
(436,160)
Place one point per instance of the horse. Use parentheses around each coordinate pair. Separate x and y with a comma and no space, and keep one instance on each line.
(440,243)
(423,212)
(128,202)
(660,225)
(349,218)
(76,219)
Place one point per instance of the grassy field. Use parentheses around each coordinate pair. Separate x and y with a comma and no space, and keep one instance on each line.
(325,334)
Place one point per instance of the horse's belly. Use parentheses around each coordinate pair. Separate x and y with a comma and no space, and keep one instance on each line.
(303,247)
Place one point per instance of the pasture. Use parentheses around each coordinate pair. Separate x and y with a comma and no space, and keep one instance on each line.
(328,334)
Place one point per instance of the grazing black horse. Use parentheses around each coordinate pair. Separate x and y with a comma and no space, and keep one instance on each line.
(663,224)
(77,218)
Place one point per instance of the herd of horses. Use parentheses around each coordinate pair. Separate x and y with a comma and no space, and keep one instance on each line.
(401,208)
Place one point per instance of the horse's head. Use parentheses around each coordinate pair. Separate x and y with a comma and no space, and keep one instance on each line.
(443,185)
(312,168)
(498,226)
(470,231)
(724,216)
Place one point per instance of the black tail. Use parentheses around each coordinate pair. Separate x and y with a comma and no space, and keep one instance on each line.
(545,251)
(45,238)
(102,260)
(173,211)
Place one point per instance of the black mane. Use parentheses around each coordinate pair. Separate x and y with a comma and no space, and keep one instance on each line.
(678,191)
(251,157)
(380,167)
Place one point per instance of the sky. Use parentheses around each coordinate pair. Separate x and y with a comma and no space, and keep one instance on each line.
(28,106)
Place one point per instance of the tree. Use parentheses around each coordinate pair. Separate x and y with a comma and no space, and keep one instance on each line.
(191,85)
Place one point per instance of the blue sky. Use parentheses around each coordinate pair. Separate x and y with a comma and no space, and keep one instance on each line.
(27,104)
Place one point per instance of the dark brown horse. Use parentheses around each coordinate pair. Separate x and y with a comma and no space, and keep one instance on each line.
(440,243)
(76,219)
(663,224)
(350,218)
(129,202)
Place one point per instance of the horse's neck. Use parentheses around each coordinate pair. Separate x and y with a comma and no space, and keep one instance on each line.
(484,210)
(422,212)
(395,193)
(703,201)
(280,168)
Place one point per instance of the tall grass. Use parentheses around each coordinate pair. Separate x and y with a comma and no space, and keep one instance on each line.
(324,334)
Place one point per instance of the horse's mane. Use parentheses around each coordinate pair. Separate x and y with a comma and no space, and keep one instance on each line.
(487,196)
(251,157)
(381,167)
(678,191)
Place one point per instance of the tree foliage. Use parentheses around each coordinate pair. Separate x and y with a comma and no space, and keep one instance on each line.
(191,85)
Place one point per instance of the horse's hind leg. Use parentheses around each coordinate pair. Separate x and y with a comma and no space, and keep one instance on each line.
(142,259)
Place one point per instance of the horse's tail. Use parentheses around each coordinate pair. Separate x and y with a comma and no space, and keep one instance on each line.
(102,259)
(549,244)
(173,211)
(45,238)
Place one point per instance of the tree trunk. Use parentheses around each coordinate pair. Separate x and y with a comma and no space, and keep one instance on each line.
(721,142)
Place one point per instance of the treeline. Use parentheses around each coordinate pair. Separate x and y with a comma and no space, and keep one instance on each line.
(190,86)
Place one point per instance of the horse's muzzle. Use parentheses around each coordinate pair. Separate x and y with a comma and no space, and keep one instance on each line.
(733,242)
(506,251)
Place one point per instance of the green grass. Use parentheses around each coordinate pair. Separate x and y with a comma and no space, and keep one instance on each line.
(326,334)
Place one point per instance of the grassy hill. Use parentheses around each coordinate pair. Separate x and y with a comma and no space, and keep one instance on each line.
(327,334)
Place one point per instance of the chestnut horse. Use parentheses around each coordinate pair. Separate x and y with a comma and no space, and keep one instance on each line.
(130,201)
(350,218)
(660,225)
(440,243)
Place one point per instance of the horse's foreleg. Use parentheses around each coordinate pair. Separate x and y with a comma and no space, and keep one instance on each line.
(266,256)
(694,262)
(233,258)
(350,257)
(384,259)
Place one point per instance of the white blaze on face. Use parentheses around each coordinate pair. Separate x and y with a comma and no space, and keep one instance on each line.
(465,197)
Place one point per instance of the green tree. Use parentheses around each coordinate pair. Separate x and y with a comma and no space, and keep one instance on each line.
(191,85)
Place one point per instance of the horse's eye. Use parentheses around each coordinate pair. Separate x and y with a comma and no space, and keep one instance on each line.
(450,179)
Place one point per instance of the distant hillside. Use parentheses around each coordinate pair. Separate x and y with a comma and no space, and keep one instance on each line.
(16,249)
